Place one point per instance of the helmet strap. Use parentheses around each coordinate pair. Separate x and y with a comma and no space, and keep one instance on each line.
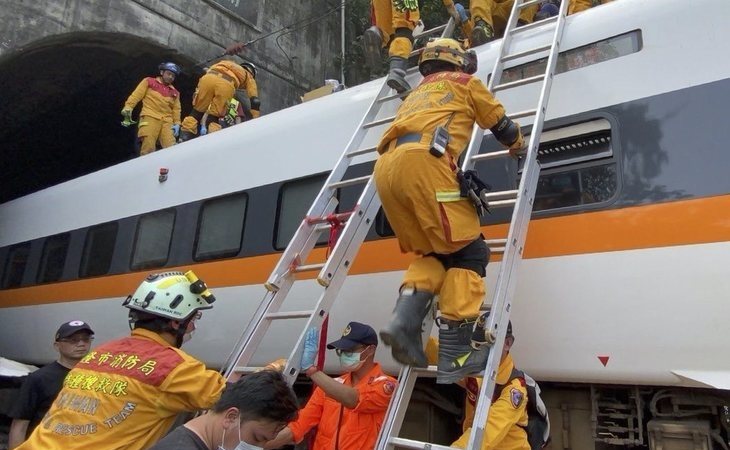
(180,332)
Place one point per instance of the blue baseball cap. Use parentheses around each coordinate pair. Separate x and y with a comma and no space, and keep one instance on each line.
(354,334)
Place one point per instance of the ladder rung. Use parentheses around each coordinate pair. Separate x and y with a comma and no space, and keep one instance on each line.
(390,97)
(512,84)
(497,249)
(529,52)
(430,31)
(416,445)
(490,155)
(415,52)
(309,267)
(502,203)
(290,315)
(362,151)
(375,123)
(539,23)
(350,182)
(411,70)
(528,3)
(501,195)
(326,220)
(522,114)
(490,242)
(246,369)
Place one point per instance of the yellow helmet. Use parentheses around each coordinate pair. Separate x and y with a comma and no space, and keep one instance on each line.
(450,51)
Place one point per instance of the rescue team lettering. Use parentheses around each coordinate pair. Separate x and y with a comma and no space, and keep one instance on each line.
(121,416)
(78,403)
(121,361)
(74,430)
(96,383)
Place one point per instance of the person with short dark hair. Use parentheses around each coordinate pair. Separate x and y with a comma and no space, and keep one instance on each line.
(349,410)
(72,342)
(250,413)
(127,393)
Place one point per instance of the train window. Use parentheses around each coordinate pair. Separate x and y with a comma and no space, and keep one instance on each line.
(584,186)
(53,258)
(98,250)
(152,242)
(15,267)
(220,227)
(594,53)
(295,198)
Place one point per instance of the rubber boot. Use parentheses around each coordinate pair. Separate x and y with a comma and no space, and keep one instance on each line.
(458,358)
(403,333)
(397,74)
(185,136)
(481,34)
(372,42)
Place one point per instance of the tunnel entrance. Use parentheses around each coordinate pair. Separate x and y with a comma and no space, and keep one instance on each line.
(61,101)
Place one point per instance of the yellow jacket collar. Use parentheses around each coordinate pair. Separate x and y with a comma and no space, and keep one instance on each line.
(505,369)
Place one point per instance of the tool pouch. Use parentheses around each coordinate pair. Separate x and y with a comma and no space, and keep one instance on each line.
(474,189)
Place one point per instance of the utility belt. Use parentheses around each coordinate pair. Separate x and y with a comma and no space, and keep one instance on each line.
(222,75)
(409,138)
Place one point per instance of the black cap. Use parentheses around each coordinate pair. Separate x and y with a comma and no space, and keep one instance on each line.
(354,334)
(69,328)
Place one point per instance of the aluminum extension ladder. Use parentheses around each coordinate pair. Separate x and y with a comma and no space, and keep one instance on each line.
(319,220)
(521,200)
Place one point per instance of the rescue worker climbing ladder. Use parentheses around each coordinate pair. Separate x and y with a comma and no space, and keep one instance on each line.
(416,178)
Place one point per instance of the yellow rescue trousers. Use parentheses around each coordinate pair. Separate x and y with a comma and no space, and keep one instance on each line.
(388,18)
(496,13)
(151,130)
(421,200)
(212,95)
(581,5)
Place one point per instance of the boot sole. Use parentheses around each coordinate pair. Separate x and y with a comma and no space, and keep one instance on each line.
(399,352)
(397,86)
(456,375)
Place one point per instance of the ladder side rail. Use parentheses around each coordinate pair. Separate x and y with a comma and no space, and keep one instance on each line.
(507,277)
(339,276)
(272,301)
(353,234)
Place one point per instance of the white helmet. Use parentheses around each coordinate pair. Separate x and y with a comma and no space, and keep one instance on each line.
(172,295)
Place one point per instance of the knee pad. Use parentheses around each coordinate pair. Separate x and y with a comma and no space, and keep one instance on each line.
(211,119)
(197,115)
(403,33)
(214,126)
(474,257)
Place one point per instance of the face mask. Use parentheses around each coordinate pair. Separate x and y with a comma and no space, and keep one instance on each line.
(351,361)
(242,445)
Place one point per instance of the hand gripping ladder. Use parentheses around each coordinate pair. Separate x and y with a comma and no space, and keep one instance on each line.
(511,247)
(320,219)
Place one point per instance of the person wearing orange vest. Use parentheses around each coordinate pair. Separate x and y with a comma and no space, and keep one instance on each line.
(490,19)
(126,393)
(211,97)
(159,119)
(582,5)
(393,24)
(348,411)
(417,178)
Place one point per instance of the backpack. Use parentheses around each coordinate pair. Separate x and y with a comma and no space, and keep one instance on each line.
(538,422)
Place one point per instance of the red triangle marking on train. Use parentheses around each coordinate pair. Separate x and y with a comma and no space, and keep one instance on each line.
(604,360)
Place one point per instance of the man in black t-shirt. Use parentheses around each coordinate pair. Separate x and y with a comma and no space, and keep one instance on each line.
(249,413)
(73,340)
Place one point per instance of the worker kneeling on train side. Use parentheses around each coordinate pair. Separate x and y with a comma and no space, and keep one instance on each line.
(434,214)
(214,90)
(349,410)
(245,104)
(490,19)
(127,392)
(582,5)
(393,24)
(159,119)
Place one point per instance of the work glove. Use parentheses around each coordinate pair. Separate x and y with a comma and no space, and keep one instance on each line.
(127,116)
(517,147)
(203,130)
(462,13)
(176,130)
(309,352)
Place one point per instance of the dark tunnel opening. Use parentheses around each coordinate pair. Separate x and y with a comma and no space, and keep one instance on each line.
(62,98)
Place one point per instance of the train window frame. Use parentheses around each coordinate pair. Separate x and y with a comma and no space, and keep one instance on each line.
(157,262)
(43,267)
(200,229)
(280,203)
(25,246)
(84,267)
(537,67)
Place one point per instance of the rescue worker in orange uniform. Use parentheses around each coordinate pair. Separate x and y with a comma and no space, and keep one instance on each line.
(127,392)
(349,410)
(581,5)
(490,19)
(159,119)
(214,90)
(507,421)
(393,24)
(416,178)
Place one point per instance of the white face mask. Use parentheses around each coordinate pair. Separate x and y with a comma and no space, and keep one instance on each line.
(241,444)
